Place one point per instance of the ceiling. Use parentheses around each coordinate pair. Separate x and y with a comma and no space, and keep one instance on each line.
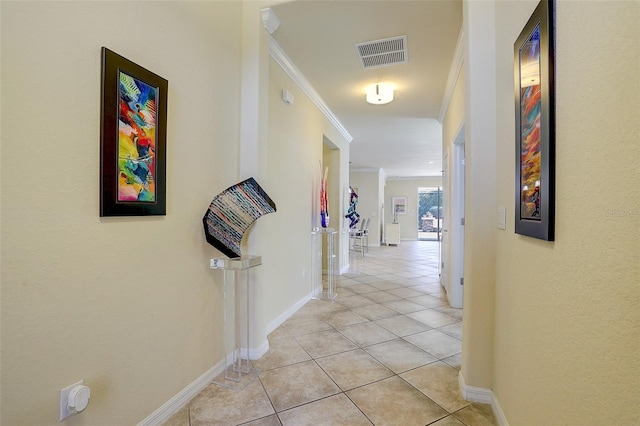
(404,137)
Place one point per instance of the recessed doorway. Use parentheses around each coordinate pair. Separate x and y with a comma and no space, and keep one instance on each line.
(430,214)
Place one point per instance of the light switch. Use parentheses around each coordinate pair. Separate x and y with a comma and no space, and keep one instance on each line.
(502,218)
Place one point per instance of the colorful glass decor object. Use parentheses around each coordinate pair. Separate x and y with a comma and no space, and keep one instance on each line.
(232,212)
(324,199)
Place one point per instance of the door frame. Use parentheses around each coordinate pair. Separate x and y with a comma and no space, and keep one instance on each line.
(456,227)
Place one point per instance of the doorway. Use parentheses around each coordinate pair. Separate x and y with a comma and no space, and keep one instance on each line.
(453,280)
(430,214)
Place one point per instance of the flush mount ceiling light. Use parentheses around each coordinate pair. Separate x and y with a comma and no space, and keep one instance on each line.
(379,94)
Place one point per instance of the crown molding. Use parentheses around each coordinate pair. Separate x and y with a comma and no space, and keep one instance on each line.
(279,55)
(454,73)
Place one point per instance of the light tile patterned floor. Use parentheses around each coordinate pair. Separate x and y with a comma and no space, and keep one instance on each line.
(385,352)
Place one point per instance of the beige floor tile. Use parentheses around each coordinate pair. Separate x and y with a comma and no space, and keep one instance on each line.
(385,285)
(453,330)
(354,301)
(297,384)
(436,343)
(428,301)
(325,343)
(219,405)
(448,421)
(343,318)
(477,415)
(382,296)
(344,291)
(281,352)
(404,306)
(346,282)
(426,286)
(300,325)
(366,334)
(271,420)
(384,276)
(453,312)
(455,361)
(394,402)
(374,312)
(405,292)
(401,325)
(442,295)
(410,274)
(439,382)
(336,410)
(399,355)
(432,318)
(320,307)
(181,418)
(354,368)
(363,289)
(367,279)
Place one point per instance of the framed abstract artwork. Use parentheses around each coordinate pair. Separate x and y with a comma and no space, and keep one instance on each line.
(535,125)
(133,132)
(399,205)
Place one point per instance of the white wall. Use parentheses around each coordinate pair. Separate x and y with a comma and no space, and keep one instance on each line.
(367,183)
(567,322)
(480,204)
(453,194)
(407,188)
(128,304)
(294,150)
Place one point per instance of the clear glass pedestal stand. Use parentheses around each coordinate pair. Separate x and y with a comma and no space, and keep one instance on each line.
(318,288)
(238,369)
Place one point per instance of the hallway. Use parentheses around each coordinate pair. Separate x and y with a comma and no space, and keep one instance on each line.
(385,352)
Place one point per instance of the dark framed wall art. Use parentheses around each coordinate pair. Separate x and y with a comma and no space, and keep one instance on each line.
(535,125)
(133,132)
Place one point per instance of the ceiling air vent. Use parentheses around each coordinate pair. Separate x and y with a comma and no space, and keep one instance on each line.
(382,53)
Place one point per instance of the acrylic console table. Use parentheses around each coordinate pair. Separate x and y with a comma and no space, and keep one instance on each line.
(318,290)
(236,316)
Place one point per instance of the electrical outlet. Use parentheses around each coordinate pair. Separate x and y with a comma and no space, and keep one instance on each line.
(64,399)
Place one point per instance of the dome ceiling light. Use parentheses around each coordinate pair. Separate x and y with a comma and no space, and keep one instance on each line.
(380,94)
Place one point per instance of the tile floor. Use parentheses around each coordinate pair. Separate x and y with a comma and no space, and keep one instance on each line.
(385,352)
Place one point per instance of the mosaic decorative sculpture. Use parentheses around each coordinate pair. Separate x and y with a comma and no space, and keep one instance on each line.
(232,212)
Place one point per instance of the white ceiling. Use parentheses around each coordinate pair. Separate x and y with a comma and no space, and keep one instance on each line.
(403,137)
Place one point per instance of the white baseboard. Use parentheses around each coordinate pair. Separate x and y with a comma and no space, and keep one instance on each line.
(472,393)
(286,314)
(483,396)
(257,353)
(498,413)
(172,406)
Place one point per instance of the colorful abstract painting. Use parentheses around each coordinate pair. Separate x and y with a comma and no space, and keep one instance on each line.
(232,212)
(133,139)
(530,114)
(136,140)
(534,81)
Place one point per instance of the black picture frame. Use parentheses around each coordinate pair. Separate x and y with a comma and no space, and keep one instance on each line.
(535,125)
(133,131)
